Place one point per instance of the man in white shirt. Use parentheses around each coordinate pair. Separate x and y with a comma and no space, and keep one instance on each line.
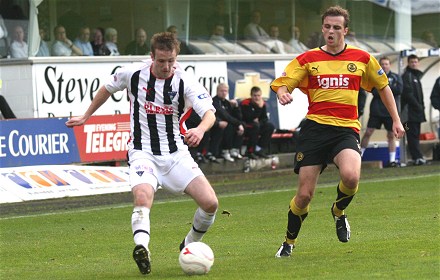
(19,48)
(253,31)
(62,45)
(162,96)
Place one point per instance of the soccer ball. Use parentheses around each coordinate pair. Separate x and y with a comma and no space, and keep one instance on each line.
(196,258)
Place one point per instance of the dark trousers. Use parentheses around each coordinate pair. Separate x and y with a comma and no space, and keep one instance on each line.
(224,139)
(258,134)
(413,138)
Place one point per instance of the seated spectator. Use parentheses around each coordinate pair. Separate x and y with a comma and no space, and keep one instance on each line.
(253,30)
(315,40)
(258,129)
(111,41)
(184,49)
(19,48)
(227,132)
(62,45)
(139,46)
(98,45)
(4,43)
(200,153)
(217,38)
(276,45)
(429,38)
(294,40)
(43,50)
(83,41)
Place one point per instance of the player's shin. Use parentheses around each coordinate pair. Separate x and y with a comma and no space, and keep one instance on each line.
(295,218)
(140,224)
(201,223)
(343,199)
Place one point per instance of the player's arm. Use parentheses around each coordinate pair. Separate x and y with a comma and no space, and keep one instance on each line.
(386,95)
(100,98)
(194,135)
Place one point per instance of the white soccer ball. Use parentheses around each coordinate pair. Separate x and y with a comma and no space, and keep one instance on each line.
(196,258)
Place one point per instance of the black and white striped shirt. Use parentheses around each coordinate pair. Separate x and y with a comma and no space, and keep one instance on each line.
(159,107)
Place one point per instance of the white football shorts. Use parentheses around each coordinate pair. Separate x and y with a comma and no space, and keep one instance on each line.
(172,172)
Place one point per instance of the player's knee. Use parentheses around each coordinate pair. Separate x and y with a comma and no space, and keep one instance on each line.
(351,181)
(303,199)
(211,206)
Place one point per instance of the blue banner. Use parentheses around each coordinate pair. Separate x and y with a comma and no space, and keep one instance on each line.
(37,142)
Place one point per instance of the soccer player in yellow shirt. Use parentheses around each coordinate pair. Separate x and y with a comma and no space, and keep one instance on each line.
(331,77)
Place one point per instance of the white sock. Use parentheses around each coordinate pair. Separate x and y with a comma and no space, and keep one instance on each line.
(362,151)
(140,224)
(392,156)
(201,223)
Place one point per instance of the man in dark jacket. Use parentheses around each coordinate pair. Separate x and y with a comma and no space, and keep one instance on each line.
(258,129)
(413,107)
(435,99)
(227,132)
(379,114)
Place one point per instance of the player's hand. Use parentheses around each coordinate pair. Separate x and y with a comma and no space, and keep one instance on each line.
(75,121)
(398,130)
(284,96)
(193,137)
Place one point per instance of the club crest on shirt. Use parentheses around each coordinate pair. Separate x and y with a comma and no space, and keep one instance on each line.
(172,94)
(351,67)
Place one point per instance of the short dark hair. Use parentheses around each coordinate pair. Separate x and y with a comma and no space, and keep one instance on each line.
(384,58)
(254,90)
(336,11)
(164,41)
(412,56)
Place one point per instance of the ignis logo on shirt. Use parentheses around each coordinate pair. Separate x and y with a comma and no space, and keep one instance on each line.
(203,96)
(333,82)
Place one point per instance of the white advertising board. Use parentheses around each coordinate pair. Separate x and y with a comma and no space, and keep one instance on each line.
(56,181)
(66,89)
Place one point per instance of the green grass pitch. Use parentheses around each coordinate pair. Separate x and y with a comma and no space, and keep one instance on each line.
(395,235)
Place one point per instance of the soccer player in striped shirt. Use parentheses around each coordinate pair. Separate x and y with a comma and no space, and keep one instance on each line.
(331,77)
(162,96)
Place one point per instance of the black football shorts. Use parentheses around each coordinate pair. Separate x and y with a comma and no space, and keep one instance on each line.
(318,144)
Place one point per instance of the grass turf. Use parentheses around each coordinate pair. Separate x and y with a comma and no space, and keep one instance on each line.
(395,235)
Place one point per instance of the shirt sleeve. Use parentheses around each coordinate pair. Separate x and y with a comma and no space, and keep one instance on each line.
(374,76)
(119,80)
(293,76)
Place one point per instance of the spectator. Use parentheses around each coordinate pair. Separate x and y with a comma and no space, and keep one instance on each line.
(199,153)
(98,45)
(217,38)
(83,41)
(277,46)
(258,129)
(19,48)
(379,114)
(414,107)
(138,46)
(43,50)
(429,38)
(315,40)
(435,100)
(111,41)
(253,31)
(294,40)
(362,99)
(227,133)
(184,49)
(4,43)
(220,16)
(62,45)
